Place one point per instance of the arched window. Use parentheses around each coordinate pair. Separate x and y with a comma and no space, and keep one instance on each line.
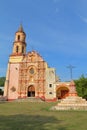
(22,49)
(18,37)
(17,49)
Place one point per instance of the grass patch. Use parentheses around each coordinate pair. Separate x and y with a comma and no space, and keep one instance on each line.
(37,116)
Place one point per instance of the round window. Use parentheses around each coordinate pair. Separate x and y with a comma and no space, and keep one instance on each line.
(31,71)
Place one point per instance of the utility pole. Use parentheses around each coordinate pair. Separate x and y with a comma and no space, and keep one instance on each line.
(70,67)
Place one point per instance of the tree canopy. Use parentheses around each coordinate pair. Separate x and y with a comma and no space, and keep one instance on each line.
(81,86)
(2,81)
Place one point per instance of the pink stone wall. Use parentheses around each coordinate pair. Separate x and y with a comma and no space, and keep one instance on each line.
(13,81)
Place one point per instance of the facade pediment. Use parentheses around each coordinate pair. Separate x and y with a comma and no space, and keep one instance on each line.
(33,56)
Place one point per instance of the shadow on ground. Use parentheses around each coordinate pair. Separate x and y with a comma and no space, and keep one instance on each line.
(26,122)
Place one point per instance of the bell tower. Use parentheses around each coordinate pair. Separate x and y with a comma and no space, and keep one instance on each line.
(13,69)
(19,45)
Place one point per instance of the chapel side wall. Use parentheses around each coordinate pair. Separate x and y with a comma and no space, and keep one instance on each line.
(13,81)
(50,84)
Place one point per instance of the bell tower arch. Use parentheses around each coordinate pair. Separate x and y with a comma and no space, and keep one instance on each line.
(19,45)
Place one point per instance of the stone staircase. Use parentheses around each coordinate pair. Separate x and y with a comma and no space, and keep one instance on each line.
(71,103)
(29,99)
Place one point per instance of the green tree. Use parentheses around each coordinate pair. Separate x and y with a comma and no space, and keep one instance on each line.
(2,81)
(81,86)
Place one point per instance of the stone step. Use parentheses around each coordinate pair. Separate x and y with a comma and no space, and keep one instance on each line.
(71,103)
(73,98)
(69,108)
(29,99)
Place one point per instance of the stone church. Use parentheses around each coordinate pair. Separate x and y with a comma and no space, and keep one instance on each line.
(28,74)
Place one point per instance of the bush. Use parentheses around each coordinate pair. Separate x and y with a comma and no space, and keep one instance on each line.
(81,86)
(2,81)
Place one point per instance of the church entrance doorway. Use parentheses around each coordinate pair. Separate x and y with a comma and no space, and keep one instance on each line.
(31,91)
(62,92)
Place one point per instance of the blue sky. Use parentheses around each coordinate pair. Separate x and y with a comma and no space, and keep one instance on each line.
(57,29)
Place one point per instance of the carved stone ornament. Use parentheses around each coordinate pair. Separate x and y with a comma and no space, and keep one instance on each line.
(13,89)
(32,70)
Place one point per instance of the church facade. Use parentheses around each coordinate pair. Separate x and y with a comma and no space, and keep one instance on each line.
(28,75)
